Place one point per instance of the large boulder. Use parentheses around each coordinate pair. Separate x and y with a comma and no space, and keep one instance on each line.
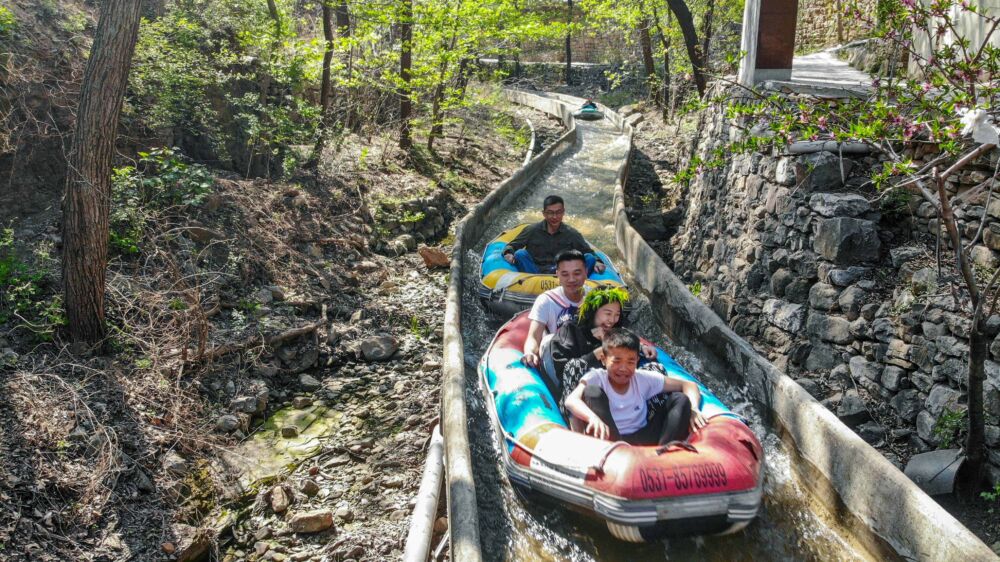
(862,368)
(787,316)
(847,241)
(829,328)
(823,296)
(943,398)
(907,404)
(839,204)
(821,170)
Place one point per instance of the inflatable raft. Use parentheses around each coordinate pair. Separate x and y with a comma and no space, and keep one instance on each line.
(588,114)
(642,492)
(505,291)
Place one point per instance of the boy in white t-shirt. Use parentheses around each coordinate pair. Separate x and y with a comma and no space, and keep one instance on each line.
(612,401)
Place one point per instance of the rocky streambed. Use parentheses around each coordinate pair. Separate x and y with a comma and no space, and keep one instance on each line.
(332,473)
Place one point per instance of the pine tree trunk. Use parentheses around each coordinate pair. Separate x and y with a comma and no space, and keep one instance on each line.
(344,31)
(668,99)
(405,61)
(686,21)
(325,85)
(86,205)
(706,31)
(648,64)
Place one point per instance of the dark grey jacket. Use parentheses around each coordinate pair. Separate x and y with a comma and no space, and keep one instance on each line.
(543,246)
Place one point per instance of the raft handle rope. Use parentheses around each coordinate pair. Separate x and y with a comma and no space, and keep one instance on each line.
(682,444)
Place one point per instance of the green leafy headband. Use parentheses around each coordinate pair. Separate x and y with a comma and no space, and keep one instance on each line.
(600,297)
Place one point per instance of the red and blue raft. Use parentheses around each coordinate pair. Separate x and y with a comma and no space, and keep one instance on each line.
(642,492)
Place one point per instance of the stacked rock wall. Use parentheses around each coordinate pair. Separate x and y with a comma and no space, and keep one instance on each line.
(840,292)
(818,21)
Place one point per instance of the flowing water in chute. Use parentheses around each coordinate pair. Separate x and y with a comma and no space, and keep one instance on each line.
(791,524)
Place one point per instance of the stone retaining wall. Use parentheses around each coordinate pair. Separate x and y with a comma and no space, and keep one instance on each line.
(816,27)
(839,292)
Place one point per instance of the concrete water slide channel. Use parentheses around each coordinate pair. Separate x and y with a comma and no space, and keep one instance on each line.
(828,494)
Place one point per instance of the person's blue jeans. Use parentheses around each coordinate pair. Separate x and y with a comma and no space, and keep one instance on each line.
(526,264)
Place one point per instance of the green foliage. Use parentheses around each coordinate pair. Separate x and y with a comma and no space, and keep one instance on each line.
(412,217)
(163,178)
(23,293)
(695,288)
(517,134)
(8,23)
(249,305)
(950,427)
(991,495)
(201,67)
(419,329)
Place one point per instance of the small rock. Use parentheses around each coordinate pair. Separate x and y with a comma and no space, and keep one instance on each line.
(398,515)
(175,464)
(823,297)
(227,423)
(277,293)
(203,235)
(309,487)
(309,382)
(168,547)
(379,348)
(430,366)
(394,482)
(261,548)
(280,500)
(440,525)
(191,543)
(289,432)
(924,281)
(434,257)
(811,386)
(852,410)
(301,402)
(871,432)
(311,521)
(344,514)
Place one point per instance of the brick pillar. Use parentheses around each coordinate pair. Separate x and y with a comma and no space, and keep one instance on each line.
(768,40)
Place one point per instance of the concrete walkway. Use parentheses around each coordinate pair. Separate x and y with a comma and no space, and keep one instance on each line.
(825,69)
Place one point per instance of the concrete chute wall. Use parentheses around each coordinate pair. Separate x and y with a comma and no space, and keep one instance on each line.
(460,487)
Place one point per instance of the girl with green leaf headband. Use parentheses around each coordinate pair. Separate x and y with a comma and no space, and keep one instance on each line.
(577,345)
(596,299)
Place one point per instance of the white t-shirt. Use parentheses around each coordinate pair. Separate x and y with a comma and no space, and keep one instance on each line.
(629,409)
(554,309)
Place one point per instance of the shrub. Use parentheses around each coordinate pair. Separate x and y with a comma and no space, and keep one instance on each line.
(8,23)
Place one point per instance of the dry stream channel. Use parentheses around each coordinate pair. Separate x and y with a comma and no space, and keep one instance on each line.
(791,525)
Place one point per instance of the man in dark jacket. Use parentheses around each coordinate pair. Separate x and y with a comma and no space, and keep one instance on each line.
(534,250)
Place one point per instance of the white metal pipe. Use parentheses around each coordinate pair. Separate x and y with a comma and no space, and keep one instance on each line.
(418,540)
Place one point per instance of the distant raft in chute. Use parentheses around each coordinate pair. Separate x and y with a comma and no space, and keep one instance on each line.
(589,112)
